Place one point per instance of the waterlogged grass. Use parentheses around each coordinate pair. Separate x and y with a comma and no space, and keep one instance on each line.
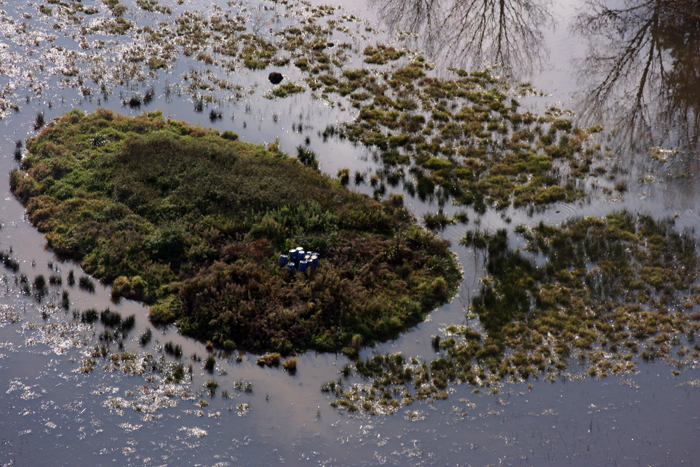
(284,90)
(465,137)
(192,222)
(458,134)
(606,293)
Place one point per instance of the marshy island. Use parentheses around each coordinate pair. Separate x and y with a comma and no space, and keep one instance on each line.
(192,222)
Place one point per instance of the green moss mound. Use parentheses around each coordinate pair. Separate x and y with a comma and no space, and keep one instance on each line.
(192,223)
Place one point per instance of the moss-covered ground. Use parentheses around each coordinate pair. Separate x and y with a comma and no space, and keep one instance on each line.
(599,293)
(192,222)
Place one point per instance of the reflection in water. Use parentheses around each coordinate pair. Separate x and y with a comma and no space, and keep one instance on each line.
(469,33)
(642,70)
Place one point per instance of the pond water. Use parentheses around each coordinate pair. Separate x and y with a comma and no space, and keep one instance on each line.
(631,66)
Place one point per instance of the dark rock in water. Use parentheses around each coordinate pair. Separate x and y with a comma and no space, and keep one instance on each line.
(275,77)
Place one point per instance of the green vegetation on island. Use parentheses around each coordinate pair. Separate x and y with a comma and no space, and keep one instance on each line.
(192,222)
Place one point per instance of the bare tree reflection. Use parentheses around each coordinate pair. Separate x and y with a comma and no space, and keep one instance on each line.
(642,69)
(471,32)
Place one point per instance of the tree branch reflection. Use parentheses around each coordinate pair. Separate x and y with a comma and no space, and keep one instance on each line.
(642,69)
(470,33)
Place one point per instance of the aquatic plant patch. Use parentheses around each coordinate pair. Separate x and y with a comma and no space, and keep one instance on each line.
(460,135)
(467,136)
(192,222)
(605,294)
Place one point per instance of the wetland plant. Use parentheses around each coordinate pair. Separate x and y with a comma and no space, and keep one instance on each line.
(71,278)
(85,283)
(89,316)
(242,385)
(461,217)
(284,90)
(437,221)
(229,135)
(211,386)
(178,372)
(148,97)
(146,337)
(111,319)
(621,281)
(269,359)
(210,364)
(344,176)
(307,157)
(435,342)
(290,365)
(40,282)
(65,300)
(39,285)
(229,345)
(9,262)
(173,349)
(133,102)
(128,324)
(40,121)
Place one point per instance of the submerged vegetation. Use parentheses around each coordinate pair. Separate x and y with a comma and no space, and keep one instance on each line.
(192,223)
(612,291)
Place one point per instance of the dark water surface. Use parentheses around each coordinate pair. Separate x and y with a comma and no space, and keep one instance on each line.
(631,66)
